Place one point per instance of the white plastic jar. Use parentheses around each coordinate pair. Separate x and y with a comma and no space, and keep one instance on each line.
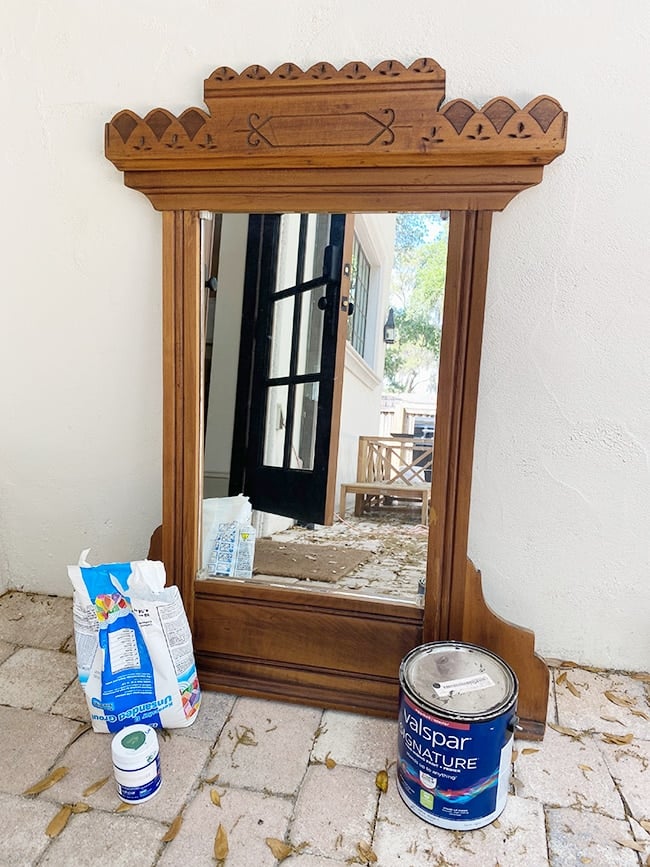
(136,763)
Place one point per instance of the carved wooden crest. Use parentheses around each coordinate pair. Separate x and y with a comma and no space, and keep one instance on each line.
(387,112)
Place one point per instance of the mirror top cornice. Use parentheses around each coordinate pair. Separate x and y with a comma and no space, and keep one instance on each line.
(350,140)
(390,113)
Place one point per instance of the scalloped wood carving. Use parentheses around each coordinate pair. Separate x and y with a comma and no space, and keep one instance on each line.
(387,111)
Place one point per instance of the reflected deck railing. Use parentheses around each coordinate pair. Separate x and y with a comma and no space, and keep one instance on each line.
(391,468)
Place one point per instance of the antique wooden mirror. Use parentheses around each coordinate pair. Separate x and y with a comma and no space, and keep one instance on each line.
(354,140)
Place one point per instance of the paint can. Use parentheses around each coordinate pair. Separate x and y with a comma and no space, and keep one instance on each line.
(457,717)
(136,763)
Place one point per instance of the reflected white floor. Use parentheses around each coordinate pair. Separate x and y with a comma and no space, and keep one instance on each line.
(397,541)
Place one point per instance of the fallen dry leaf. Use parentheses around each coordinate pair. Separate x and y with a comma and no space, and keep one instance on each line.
(83,728)
(563,730)
(620,700)
(366,853)
(573,689)
(95,787)
(329,762)
(561,678)
(621,740)
(585,768)
(59,822)
(279,849)
(246,738)
(631,844)
(381,781)
(210,780)
(641,675)
(221,844)
(639,713)
(123,808)
(173,829)
(80,807)
(215,797)
(612,719)
(528,751)
(47,782)
(566,663)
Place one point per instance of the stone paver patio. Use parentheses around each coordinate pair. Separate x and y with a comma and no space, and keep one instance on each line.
(303,776)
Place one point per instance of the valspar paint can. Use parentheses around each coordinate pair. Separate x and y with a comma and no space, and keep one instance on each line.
(457,717)
(136,763)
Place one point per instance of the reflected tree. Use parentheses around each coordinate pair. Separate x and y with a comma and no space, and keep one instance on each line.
(417,291)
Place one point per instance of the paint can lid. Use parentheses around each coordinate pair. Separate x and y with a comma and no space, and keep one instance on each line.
(458,680)
(134,747)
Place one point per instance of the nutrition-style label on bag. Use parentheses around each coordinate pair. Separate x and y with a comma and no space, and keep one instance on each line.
(123,650)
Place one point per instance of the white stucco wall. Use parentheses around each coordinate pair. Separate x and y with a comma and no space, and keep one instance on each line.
(225,354)
(560,512)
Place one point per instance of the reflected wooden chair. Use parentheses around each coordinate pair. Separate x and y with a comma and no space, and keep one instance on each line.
(391,468)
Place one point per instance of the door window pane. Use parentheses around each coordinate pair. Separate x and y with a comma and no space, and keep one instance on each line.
(287,253)
(301,248)
(281,336)
(304,426)
(275,425)
(317,234)
(311,332)
(359,293)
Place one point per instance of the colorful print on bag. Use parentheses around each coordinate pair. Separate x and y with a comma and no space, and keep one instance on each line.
(134,647)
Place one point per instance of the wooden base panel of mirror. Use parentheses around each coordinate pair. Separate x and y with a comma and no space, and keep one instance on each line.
(336,651)
(247,643)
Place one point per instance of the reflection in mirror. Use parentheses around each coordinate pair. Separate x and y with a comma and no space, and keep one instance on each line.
(274,285)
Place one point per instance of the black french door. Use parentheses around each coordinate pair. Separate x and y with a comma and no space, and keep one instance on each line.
(290,367)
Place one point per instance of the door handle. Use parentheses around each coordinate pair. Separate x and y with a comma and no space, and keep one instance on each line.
(332,263)
(347,305)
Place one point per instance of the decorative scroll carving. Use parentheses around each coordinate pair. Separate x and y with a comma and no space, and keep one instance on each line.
(389,110)
(357,129)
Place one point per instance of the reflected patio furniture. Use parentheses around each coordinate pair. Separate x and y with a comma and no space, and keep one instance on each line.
(391,468)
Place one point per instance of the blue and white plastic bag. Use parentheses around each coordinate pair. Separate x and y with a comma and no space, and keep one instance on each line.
(135,658)
(228,537)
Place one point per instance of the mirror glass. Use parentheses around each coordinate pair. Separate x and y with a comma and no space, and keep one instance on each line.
(396,265)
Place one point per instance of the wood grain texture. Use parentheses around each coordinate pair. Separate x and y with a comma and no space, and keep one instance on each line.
(355,139)
(514,644)
(331,650)
(324,115)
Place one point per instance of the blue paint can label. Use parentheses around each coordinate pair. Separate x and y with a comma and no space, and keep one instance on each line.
(456,720)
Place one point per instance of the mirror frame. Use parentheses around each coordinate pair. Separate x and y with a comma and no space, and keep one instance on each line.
(355,139)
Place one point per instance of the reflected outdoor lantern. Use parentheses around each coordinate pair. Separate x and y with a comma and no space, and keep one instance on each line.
(389,328)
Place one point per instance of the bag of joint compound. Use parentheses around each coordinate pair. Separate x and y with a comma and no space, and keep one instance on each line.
(135,658)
